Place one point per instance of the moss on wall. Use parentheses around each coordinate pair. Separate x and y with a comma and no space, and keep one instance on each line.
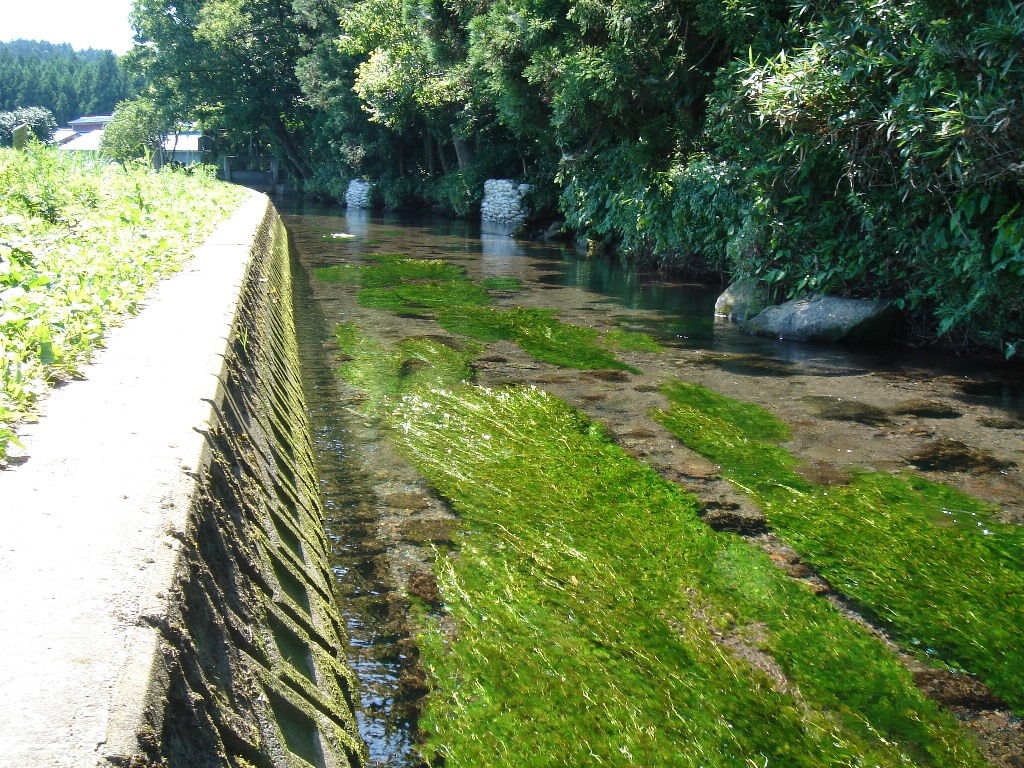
(254,670)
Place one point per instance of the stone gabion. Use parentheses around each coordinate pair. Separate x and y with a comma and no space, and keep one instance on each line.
(358,194)
(503,201)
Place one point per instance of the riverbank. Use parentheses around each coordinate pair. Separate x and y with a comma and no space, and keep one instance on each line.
(165,594)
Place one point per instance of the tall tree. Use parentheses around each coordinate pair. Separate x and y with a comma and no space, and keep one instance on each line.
(231,64)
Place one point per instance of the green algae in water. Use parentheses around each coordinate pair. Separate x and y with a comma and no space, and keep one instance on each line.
(384,372)
(427,287)
(342,274)
(424,298)
(631,341)
(590,603)
(922,558)
(502,284)
(390,270)
(537,331)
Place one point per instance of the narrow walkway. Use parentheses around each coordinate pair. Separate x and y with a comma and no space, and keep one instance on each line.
(88,523)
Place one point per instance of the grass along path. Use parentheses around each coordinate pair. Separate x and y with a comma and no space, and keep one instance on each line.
(80,245)
(926,561)
(597,620)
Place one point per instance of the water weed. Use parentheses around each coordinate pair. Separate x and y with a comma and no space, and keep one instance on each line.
(595,615)
(390,270)
(596,619)
(384,372)
(436,288)
(80,245)
(502,284)
(631,341)
(537,331)
(925,560)
(424,297)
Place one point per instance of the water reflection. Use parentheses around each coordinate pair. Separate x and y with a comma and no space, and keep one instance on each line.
(501,255)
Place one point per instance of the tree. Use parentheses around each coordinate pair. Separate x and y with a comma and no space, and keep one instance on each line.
(40,121)
(69,83)
(134,131)
(232,65)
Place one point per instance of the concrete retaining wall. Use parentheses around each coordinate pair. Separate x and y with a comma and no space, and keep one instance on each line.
(165,595)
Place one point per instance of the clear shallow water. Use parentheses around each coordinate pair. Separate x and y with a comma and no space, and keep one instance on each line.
(846,407)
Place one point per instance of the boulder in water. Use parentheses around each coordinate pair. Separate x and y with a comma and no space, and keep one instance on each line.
(825,318)
(743,299)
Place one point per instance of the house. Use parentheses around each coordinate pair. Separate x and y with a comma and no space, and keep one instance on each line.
(188,148)
(86,142)
(184,148)
(63,135)
(89,123)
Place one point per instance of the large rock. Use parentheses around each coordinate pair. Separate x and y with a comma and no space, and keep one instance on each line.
(824,318)
(743,299)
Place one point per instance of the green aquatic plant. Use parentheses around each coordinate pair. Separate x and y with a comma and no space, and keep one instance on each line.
(502,284)
(390,270)
(431,287)
(597,620)
(384,372)
(537,331)
(631,341)
(927,561)
(424,298)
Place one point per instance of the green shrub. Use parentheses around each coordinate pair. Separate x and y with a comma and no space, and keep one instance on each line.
(80,244)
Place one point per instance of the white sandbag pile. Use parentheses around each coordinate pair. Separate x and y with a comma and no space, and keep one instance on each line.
(503,201)
(358,194)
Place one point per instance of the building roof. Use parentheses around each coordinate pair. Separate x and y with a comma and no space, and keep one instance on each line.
(90,123)
(64,135)
(87,142)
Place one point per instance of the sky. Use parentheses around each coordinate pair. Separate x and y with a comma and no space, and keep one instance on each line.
(82,23)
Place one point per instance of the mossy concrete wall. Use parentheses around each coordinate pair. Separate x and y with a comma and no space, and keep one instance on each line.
(254,668)
(165,592)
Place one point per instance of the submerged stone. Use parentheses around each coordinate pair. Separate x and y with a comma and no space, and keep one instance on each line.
(835,409)
(727,516)
(928,409)
(826,318)
(954,456)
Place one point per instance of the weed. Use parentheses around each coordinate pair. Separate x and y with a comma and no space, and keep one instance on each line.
(77,253)
(928,562)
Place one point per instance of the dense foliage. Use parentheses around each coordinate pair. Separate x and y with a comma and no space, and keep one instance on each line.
(80,244)
(40,121)
(67,82)
(230,64)
(862,147)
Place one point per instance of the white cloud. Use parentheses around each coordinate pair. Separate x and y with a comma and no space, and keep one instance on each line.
(82,23)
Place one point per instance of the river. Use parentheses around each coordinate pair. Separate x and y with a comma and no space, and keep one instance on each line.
(957,421)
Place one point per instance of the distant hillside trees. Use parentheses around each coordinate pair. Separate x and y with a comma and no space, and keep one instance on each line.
(67,82)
